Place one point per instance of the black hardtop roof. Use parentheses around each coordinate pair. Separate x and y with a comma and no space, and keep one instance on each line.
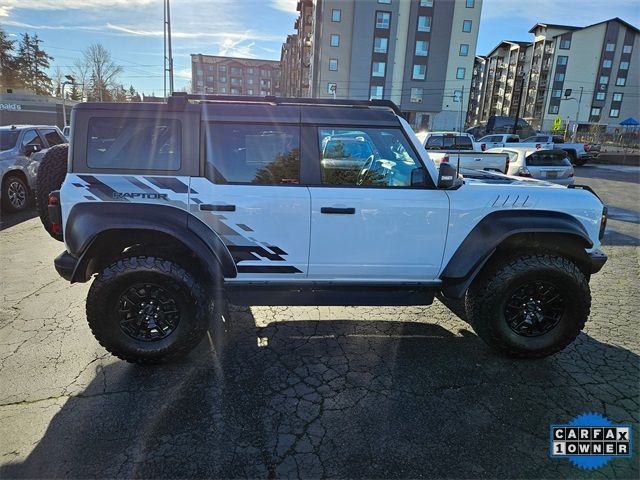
(267,109)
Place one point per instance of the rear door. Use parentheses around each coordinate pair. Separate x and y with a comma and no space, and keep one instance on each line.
(369,223)
(251,196)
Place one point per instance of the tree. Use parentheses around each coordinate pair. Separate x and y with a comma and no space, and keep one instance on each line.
(133,95)
(32,62)
(76,93)
(9,77)
(81,74)
(102,70)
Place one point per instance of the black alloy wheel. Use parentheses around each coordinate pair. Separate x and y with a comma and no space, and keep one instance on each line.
(534,309)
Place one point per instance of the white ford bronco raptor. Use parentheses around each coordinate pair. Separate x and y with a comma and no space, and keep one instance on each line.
(268,201)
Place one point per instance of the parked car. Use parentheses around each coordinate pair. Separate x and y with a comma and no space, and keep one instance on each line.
(21,148)
(186,207)
(549,165)
(578,152)
(458,149)
(494,141)
(497,124)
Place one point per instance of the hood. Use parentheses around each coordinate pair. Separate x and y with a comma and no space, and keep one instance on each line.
(482,177)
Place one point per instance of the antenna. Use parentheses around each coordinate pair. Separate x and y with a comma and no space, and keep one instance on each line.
(168,56)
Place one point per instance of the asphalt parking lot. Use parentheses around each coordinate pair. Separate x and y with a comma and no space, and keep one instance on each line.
(311,392)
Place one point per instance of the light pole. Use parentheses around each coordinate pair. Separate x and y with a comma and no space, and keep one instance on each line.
(567,96)
(69,81)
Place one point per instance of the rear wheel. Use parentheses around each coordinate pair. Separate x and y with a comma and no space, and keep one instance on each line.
(529,306)
(51,173)
(15,194)
(147,310)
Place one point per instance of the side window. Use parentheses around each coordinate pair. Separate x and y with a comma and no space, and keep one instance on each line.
(512,140)
(365,157)
(53,138)
(31,137)
(127,143)
(253,154)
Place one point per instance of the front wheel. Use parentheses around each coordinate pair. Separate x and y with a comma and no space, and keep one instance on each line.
(146,310)
(529,305)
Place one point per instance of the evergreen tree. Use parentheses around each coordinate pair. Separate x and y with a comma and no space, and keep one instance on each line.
(9,77)
(134,96)
(75,93)
(32,62)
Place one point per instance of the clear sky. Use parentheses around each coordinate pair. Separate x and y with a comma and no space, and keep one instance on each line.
(132,29)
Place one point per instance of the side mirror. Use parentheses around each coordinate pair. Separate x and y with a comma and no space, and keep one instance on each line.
(447,176)
(418,178)
(31,148)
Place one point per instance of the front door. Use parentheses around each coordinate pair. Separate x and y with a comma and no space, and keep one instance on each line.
(367,222)
(252,199)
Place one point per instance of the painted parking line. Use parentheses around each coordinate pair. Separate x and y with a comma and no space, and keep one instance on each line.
(617,168)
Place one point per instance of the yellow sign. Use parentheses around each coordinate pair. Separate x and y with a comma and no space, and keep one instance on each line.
(557,124)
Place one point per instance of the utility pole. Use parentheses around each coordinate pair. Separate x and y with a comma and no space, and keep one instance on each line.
(575,131)
(461,105)
(515,122)
(168,56)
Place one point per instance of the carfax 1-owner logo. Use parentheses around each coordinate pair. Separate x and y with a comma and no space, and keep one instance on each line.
(590,441)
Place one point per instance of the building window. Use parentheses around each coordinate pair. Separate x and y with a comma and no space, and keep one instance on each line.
(210,68)
(249,71)
(460,73)
(466,26)
(424,23)
(565,44)
(223,89)
(222,69)
(422,48)
(335,40)
(559,77)
(336,15)
(236,71)
(377,92)
(556,93)
(384,1)
(604,79)
(617,97)
(222,79)
(471,3)
(621,81)
(249,81)
(250,91)
(333,64)
(200,83)
(199,73)
(383,19)
(426,3)
(419,72)
(595,111)
(464,49)
(562,60)
(614,113)
(553,108)
(416,95)
(600,95)
(377,69)
(611,47)
(380,45)
(624,65)
(210,78)
(606,64)
(627,48)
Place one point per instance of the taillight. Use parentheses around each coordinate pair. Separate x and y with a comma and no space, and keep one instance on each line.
(506,165)
(445,159)
(523,172)
(483,147)
(587,147)
(53,202)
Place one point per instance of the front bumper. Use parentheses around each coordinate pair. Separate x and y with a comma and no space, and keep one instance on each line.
(65,264)
(597,260)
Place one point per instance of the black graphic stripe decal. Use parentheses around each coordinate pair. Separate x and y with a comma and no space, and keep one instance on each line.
(168,183)
(263,252)
(267,269)
(98,188)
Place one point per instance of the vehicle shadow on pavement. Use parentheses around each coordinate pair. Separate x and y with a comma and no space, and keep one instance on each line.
(8,220)
(335,398)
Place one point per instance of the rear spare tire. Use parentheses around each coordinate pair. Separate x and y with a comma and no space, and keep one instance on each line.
(51,173)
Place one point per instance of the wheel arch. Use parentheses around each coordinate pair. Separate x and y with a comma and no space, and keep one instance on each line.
(503,232)
(96,233)
(16,172)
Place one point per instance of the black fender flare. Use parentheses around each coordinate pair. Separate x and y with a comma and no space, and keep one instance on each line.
(483,240)
(86,221)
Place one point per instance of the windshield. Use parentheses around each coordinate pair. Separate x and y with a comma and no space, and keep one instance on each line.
(8,139)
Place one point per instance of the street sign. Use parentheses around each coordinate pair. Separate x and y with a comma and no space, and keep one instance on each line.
(557,124)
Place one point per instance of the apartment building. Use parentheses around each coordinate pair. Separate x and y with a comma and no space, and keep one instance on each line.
(212,74)
(477,87)
(418,53)
(572,76)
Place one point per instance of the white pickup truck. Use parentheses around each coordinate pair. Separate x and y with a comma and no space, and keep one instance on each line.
(459,149)
(578,152)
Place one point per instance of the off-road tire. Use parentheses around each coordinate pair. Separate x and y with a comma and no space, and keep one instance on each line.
(13,181)
(485,303)
(103,303)
(51,173)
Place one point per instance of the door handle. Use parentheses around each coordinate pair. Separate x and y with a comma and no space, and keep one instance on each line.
(338,211)
(207,207)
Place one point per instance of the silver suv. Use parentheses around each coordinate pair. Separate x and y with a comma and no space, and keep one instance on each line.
(21,149)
